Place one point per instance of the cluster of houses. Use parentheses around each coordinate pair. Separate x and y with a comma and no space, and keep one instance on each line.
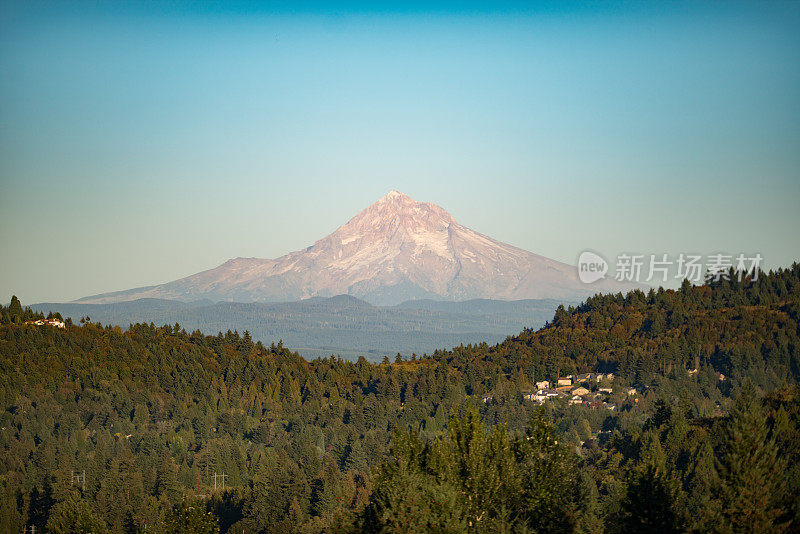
(48,322)
(576,388)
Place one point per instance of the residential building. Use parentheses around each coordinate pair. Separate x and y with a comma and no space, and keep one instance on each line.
(580,391)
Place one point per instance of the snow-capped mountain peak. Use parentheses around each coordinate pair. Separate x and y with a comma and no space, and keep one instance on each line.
(394,250)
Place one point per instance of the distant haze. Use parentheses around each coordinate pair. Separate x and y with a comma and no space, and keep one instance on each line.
(343,325)
(142,142)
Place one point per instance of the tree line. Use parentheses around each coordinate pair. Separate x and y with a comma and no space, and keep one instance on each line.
(107,430)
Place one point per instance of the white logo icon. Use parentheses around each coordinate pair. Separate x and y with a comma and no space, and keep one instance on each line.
(591,267)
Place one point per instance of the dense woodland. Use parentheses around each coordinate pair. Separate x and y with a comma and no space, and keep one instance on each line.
(105,430)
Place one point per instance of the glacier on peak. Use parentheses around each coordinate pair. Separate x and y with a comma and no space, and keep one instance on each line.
(394,250)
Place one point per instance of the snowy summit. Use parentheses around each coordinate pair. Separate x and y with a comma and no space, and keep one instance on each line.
(395,250)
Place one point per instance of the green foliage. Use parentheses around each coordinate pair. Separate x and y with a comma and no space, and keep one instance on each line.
(648,505)
(190,518)
(74,516)
(15,309)
(152,414)
(752,474)
(476,479)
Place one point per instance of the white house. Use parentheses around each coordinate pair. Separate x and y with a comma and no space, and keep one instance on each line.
(50,322)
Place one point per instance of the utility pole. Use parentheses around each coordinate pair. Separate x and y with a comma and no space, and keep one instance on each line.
(80,478)
(222,477)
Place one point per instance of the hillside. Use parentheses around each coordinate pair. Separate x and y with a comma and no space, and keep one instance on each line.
(152,413)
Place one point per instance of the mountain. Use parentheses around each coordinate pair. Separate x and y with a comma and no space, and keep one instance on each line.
(395,250)
(342,324)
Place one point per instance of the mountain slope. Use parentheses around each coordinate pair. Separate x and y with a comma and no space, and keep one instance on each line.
(395,250)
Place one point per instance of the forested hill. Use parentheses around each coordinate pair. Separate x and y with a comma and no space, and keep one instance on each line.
(741,329)
(138,431)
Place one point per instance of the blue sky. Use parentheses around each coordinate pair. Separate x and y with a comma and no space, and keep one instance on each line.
(140,143)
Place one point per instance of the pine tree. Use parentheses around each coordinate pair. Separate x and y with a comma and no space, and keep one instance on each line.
(167,480)
(15,309)
(752,486)
(648,505)
(73,516)
(548,478)
(356,458)
(190,518)
(406,499)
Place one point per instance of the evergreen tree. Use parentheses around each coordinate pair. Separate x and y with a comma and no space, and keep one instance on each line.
(752,486)
(405,500)
(549,482)
(15,309)
(648,505)
(190,518)
(167,480)
(73,516)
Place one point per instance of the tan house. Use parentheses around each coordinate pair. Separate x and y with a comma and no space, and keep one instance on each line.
(580,391)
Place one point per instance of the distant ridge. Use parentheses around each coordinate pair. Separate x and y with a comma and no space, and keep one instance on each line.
(341,324)
(395,250)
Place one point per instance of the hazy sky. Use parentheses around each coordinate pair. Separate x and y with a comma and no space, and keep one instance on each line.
(140,144)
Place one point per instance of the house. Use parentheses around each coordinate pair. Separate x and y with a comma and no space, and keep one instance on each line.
(49,322)
(585,377)
(605,390)
(576,400)
(544,384)
(540,396)
(580,391)
(631,391)
(609,377)
(595,377)
(609,406)
(565,381)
